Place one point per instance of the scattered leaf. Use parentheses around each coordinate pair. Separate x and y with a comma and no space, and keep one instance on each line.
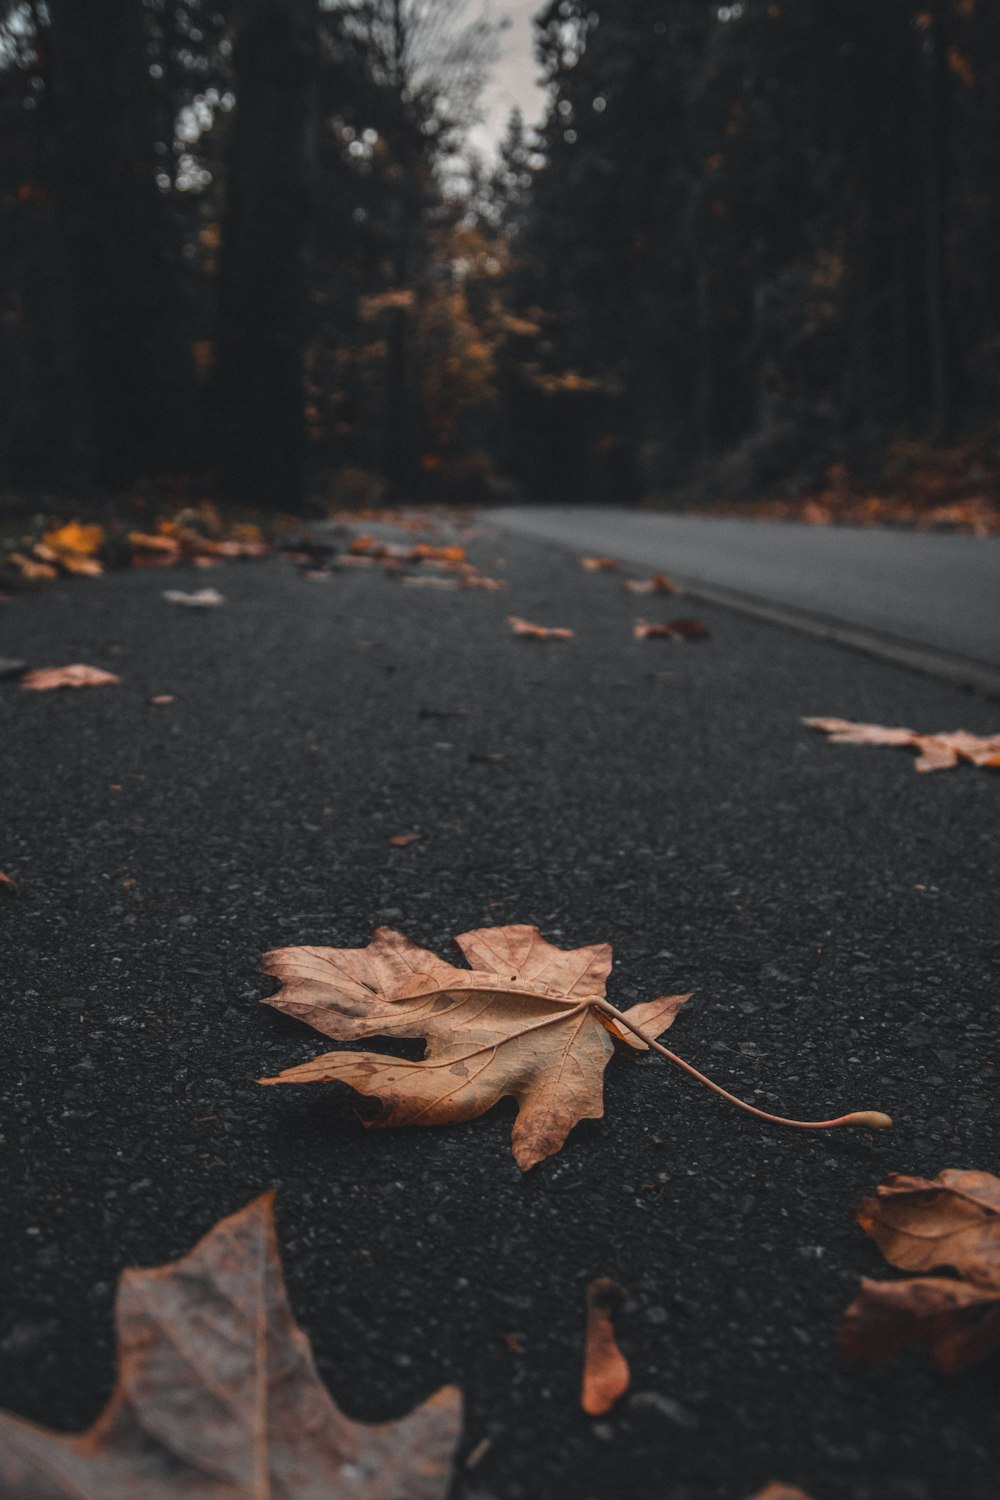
(605,1369)
(199,599)
(538,632)
(681,629)
(400,840)
(937,752)
(523,1022)
(777,1490)
(72,547)
(75,676)
(657,583)
(6,883)
(950,1221)
(599,564)
(162,698)
(218,1396)
(32,571)
(479,581)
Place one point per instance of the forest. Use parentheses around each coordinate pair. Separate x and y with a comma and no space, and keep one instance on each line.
(749,250)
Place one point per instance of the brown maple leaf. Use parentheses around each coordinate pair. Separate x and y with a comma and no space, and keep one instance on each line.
(528,1021)
(538,632)
(684,628)
(657,583)
(217,1398)
(606,1374)
(920,1225)
(75,676)
(938,752)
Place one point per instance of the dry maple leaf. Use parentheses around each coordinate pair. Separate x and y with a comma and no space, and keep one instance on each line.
(199,599)
(217,1398)
(657,583)
(920,1225)
(684,628)
(32,571)
(599,564)
(6,883)
(606,1374)
(938,752)
(75,676)
(528,1021)
(538,632)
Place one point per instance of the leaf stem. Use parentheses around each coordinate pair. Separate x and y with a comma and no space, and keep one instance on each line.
(867,1119)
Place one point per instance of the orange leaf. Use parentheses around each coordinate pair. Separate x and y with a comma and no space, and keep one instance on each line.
(217,1395)
(75,676)
(599,564)
(605,1369)
(538,632)
(684,628)
(919,1225)
(523,1023)
(400,840)
(937,752)
(75,537)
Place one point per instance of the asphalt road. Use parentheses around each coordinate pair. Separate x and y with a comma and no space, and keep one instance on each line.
(834,912)
(934,590)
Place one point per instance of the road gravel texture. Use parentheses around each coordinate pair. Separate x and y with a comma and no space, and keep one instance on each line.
(835,913)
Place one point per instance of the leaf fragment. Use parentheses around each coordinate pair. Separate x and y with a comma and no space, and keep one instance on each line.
(606,1375)
(76,675)
(684,628)
(198,599)
(599,564)
(953,1221)
(657,583)
(538,632)
(218,1398)
(937,752)
(7,884)
(522,1023)
(400,840)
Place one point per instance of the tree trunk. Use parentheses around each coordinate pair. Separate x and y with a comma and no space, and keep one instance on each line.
(131,353)
(263,283)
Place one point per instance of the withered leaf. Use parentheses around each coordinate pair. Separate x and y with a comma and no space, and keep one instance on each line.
(918,1224)
(937,752)
(523,1023)
(657,583)
(198,599)
(606,1374)
(599,564)
(75,676)
(217,1398)
(400,840)
(683,628)
(32,571)
(538,632)
(6,883)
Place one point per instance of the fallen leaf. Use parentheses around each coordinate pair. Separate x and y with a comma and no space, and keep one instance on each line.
(479,581)
(950,1221)
(521,1023)
(599,564)
(32,571)
(218,1398)
(75,676)
(400,840)
(605,1369)
(777,1490)
(75,537)
(7,883)
(683,628)
(538,632)
(937,752)
(162,698)
(657,583)
(199,599)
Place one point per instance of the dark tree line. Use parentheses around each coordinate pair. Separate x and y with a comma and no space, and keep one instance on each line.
(239,252)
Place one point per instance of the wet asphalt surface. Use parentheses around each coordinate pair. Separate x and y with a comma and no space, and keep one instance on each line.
(835,913)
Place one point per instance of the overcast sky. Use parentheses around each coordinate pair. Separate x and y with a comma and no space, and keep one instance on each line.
(515,75)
